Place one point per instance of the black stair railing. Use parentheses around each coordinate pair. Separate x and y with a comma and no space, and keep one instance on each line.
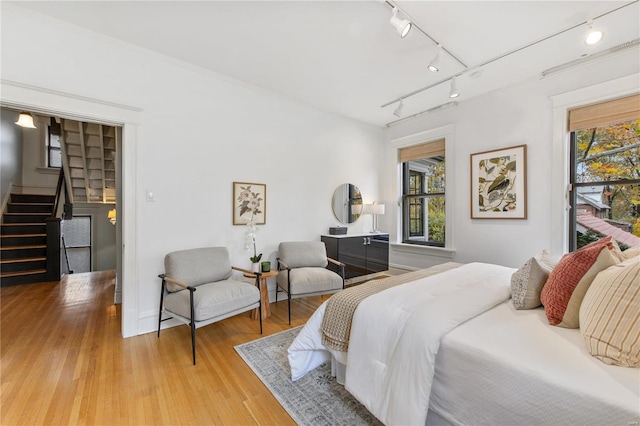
(53,229)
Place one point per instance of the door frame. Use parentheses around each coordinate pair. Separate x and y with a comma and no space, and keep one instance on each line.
(46,101)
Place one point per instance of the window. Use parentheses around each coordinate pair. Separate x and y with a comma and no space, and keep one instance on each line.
(423,194)
(605,173)
(54,154)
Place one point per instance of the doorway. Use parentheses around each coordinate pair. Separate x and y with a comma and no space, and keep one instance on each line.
(44,101)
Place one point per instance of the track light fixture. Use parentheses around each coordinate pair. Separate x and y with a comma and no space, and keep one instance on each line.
(453,92)
(594,35)
(25,119)
(434,65)
(402,26)
(398,111)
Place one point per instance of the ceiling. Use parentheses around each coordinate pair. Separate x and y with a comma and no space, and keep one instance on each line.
(345,57)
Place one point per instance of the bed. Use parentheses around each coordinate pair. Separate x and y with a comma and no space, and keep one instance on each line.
(479,361)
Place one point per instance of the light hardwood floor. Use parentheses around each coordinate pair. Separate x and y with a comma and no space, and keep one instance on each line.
(64,362)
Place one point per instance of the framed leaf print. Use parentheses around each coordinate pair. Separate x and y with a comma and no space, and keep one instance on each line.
(499,184)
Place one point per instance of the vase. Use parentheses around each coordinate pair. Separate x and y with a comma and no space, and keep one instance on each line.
(255,267)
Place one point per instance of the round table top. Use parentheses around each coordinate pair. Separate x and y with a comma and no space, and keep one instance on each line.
(271,273)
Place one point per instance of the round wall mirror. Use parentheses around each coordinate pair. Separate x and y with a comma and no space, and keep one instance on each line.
(347,203)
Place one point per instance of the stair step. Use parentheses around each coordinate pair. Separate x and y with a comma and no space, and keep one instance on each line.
(25,259)
(23,235)
(23,239)
(23,228)
(21,265)
(6,248)
(22,252)
(29,208)
(25,217)
(25,277)
(32,198)
(19,273)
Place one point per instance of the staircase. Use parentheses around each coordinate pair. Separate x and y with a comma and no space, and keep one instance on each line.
(89,158)
(23,239)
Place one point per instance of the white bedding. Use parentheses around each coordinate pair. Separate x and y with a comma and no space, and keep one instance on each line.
(502,367)
(508,367)
(395,336)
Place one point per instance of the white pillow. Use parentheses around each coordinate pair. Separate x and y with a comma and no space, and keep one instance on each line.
(527,282)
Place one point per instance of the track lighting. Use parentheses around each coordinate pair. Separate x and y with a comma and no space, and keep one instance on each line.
(594,35)
(25,120)
(398,111)
(401,25)
(434,65)
(454,93)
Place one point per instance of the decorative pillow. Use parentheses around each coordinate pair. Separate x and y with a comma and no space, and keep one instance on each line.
(631,252)
(527,282)
(563,292)
(610,315)
(617,252)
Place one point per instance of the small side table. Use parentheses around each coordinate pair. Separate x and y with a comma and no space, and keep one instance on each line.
(264,293)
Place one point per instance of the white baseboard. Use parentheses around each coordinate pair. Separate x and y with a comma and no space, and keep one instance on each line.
(148,322)
(396,269)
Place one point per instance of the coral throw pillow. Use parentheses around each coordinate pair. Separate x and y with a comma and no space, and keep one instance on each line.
(570,279)
(610,315)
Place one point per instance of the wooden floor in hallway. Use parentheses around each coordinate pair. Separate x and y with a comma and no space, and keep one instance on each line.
(63,361)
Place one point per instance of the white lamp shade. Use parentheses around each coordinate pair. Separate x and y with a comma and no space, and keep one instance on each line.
(25,120)
(373,209)
(377,209)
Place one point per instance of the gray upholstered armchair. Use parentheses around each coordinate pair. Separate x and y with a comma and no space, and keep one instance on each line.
(302,271)
(197,289)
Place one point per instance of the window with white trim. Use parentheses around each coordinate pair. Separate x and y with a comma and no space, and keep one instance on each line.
(605,172)
(54,153)
(423,194)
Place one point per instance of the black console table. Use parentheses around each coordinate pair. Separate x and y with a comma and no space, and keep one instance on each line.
(362,254)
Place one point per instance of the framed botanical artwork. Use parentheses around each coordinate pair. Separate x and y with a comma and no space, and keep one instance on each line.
(249,203)
(499,184)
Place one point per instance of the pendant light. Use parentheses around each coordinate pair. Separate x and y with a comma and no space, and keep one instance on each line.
(25,119)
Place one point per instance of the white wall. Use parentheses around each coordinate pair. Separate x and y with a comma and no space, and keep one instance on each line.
(10,153)
(522,114)
(198,133)
(36,178)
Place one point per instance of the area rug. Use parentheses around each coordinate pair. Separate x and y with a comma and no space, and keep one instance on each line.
(316,399)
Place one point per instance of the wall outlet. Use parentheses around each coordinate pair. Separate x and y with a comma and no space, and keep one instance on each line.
(151,196)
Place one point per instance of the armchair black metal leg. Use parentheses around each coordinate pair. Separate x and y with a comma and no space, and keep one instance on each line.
(160,310)
(193,341)
(192,324)
(289,305)
(260,314)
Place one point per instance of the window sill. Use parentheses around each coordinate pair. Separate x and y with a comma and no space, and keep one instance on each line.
(428,250)
(47,171)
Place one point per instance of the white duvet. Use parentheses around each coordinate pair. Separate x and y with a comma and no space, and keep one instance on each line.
(396,334)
